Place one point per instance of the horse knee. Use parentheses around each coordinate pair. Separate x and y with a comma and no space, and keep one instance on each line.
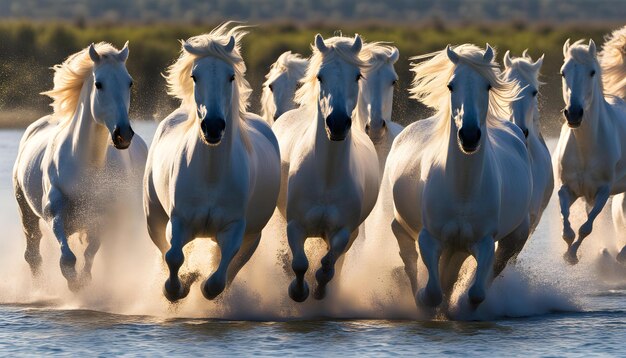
(174,258)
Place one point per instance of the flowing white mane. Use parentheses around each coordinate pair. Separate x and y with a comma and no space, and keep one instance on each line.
(179,81)
(376,54)
(291,63)
(524,66)
(70,75)
(579,51)
(339,47)
(613,61)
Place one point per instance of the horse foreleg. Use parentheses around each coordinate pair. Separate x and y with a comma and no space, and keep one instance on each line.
(602,195)
(30,225)
(93,246)
(179,236)
(339,243)
(484,253)
(408,253)
(156,219)
(430,248)
(566,199)
(248,247)
(510,246)
(229,241)
(450,266)
(55,213)
(298,289)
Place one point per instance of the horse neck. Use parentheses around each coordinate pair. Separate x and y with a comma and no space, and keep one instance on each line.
(330,156)
(465,171)
(362,113)
(593,124)
(90,140)
(215,159)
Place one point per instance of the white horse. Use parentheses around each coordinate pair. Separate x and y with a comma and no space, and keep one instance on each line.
(213,169)
(613,62)
(461,179)
(279,88)
(330,175)
(72,168)
(588,159)
(373,113)
(525,114)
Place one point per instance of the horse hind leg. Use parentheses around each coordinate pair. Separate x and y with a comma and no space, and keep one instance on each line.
(93,245)
(450,267)
(340,242)
(156,219)
(30,226)
(230,242)
(510,246)
(601,197)
(408,254)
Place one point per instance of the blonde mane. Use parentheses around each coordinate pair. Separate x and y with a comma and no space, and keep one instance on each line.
(291,63)
(376,54)
(178,76)
(339,47)
(70,76)
(430,87)
(612,59)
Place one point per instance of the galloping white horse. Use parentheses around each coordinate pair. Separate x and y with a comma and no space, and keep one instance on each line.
(329,168)
(525,113)
(460,179)
(279,88)
(613,62)
(72,168)
(375,101)
(588,159)
(213,169)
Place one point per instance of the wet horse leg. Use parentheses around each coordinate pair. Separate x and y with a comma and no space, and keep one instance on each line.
(566,199)
(408,253)
(602,195)
(430,248)
(484,253)
(340,242)
(510,246)
(229,241)
(298,289)
(248,247)
(450,267)
(30,226)
(179,236)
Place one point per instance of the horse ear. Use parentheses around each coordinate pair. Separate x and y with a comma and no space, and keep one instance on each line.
(319,43)
(187,47)
(123,55)
(592,48)
(525,53)
(358,44)
(452,56)
(488,56)
(507,59)
(93,54)
(565,47)
(230,46)
(538,63)
(395,55)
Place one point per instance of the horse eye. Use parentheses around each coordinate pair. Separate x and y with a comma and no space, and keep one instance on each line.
(232,78)
(535,93)
(271,87)
(319,78)
(98,85)
(593,72)
(395,82)
(193,78)
(450,87)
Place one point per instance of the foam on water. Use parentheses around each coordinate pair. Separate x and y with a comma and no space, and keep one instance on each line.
(129,277)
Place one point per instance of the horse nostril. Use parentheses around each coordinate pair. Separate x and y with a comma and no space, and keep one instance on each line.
(525,133)
(581,112)
(384,124)
(367,127)
(565,112)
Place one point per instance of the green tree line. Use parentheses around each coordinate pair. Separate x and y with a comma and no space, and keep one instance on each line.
(28,50)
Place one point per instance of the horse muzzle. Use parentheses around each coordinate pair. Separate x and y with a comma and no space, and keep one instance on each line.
(573,116)
(376,132)
(469,139)
(122,136)
(338,126)
(212,130)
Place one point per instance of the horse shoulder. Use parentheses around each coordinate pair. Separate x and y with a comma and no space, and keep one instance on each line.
(408,145)
(258,125)
(290,128)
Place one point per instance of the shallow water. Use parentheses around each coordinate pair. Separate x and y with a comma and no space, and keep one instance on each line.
(540,306)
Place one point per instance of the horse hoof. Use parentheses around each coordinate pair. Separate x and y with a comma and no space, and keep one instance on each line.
(569,236)
(476,297)
(298,294)
(74,285)
(213,287)
(174,292)
(320,292)
(427,299)
(570,257)
(323,276)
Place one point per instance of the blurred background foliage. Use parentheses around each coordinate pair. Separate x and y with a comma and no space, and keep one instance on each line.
(30,45)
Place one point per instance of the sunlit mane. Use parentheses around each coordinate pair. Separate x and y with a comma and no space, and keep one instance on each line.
(376,54)
(524,66)
(339,47)
(430,87)
(612,58)
(579,51)
(291,63)
(179,81)
(70,75)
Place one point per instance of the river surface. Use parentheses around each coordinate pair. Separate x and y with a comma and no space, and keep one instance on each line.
(539,307)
